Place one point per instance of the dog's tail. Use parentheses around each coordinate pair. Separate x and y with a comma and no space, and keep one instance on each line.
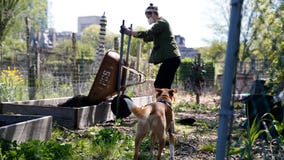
(140,113)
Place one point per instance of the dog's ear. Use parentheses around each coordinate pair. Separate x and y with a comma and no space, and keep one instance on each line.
(173,90)
(158,90)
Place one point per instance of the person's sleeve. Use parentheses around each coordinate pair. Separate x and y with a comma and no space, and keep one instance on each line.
(148,35)
(145,35)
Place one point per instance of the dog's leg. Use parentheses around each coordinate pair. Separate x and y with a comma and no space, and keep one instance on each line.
(162,141)
(152,146)
(142,130)
(172,140)
(172,146)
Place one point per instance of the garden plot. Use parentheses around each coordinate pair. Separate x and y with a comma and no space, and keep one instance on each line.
(67,116)
(22,128)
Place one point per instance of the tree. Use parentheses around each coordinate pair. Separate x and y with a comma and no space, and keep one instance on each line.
(91,36)
(215,52)
(268,42)
(9,9)
(36,10)
(13,13)
(261,34)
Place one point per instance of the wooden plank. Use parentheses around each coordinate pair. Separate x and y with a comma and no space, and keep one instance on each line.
(70,117)
(33,128)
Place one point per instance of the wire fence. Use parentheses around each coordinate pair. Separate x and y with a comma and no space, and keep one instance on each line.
(57,80)
(63,79)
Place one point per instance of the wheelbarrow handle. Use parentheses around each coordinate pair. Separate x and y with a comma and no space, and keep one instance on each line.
(126,60)
(141,75)
(118,83)
(128,47)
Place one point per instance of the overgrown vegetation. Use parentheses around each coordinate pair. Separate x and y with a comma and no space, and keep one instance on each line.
(115,140)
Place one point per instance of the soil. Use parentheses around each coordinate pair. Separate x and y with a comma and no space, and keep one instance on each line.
(3,123)
(76,101)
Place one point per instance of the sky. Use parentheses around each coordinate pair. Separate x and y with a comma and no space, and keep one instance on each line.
(188,18)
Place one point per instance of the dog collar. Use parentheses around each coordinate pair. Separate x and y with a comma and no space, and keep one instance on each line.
(169,104)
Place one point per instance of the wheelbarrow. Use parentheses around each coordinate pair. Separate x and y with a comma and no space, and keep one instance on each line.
(111,80)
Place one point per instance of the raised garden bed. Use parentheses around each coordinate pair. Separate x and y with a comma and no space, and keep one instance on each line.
(22,128)
(67,116)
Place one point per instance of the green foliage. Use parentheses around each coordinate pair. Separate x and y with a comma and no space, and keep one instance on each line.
(185,106)
(268,40)
(13,13)
(209,71)
(111,138)
(210,147)
(91,36)
(215,52)
(186,72)
(11,47)
(247,140)
(36,10)
(9,10)
(261,36)
(256,141)
(85,51)
(35,150)
(184,69)
(96,143)
(279,126)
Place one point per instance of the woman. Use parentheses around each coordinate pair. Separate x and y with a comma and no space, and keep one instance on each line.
(165,50)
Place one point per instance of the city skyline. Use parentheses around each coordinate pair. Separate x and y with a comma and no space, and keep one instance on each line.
(189,19)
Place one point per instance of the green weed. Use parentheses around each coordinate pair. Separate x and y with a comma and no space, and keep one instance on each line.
(35,150)
(112,144)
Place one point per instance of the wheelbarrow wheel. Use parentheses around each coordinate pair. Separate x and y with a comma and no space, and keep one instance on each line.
(120,110)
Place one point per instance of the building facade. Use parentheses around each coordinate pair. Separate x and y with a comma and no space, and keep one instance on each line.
(184,51)
(86,21)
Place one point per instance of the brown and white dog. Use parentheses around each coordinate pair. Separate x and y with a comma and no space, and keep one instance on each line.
(158,117)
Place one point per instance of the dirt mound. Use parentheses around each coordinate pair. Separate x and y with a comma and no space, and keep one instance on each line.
(76,101)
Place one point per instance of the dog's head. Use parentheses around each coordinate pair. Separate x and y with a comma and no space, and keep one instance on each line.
(165,94)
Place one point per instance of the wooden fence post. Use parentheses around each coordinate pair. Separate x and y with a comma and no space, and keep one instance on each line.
(30,68)
(75,70)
